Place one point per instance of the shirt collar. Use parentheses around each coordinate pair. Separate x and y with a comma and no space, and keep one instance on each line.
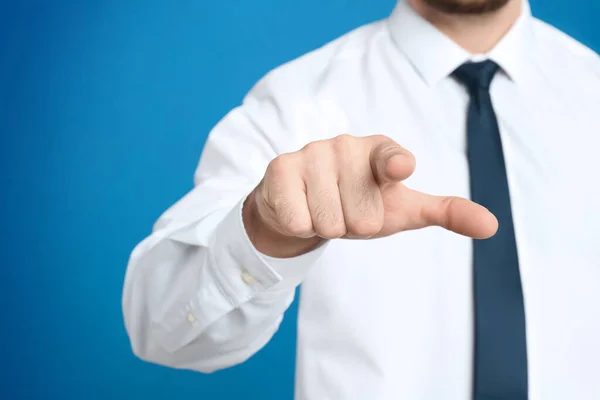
(435,56)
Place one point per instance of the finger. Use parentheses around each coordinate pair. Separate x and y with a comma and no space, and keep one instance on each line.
(360,194)
(390,162)
(284,198)
(455,214)
(362,206)
(323,196)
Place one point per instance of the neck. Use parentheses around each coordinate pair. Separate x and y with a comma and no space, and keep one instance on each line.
(477,34)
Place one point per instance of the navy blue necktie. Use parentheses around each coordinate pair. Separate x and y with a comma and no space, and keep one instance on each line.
(500,354)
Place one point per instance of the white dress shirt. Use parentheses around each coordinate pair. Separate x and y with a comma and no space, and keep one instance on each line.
(389,318)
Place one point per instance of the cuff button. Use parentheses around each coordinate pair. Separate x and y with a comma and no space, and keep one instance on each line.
(247,278)
(191,318)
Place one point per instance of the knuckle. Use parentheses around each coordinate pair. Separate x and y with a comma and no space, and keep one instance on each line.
(364,227)
(288,219)
(344,137)
(282,210)
(445,217)
(331,231)
(440,214)
(389,149)
(280,165)
(298,227)
(327,221)
(313,147)
(379,137)
(321,213)
(343,140)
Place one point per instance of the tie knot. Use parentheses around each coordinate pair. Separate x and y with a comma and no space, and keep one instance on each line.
(476,75)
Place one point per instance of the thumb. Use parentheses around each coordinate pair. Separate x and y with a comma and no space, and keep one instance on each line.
(455,214)
(390,162)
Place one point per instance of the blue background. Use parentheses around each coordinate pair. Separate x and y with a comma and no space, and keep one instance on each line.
(104,109)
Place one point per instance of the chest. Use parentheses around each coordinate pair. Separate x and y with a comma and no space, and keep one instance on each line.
(414,290)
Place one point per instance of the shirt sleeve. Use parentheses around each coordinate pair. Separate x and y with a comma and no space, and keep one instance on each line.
(197,294)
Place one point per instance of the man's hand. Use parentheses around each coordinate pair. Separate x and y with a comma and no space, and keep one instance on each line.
(349,187)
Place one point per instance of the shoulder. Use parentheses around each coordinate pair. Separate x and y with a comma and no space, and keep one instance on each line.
(297,94)
(305,74)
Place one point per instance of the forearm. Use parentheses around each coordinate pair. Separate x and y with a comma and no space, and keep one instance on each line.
(198,294)
(210,304)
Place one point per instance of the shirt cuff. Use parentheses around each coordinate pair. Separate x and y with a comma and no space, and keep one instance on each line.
(243,272)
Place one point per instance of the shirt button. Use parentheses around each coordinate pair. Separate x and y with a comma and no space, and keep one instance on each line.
(247,278)
(191,318)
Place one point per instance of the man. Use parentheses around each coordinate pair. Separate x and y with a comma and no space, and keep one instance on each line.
(314,180)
